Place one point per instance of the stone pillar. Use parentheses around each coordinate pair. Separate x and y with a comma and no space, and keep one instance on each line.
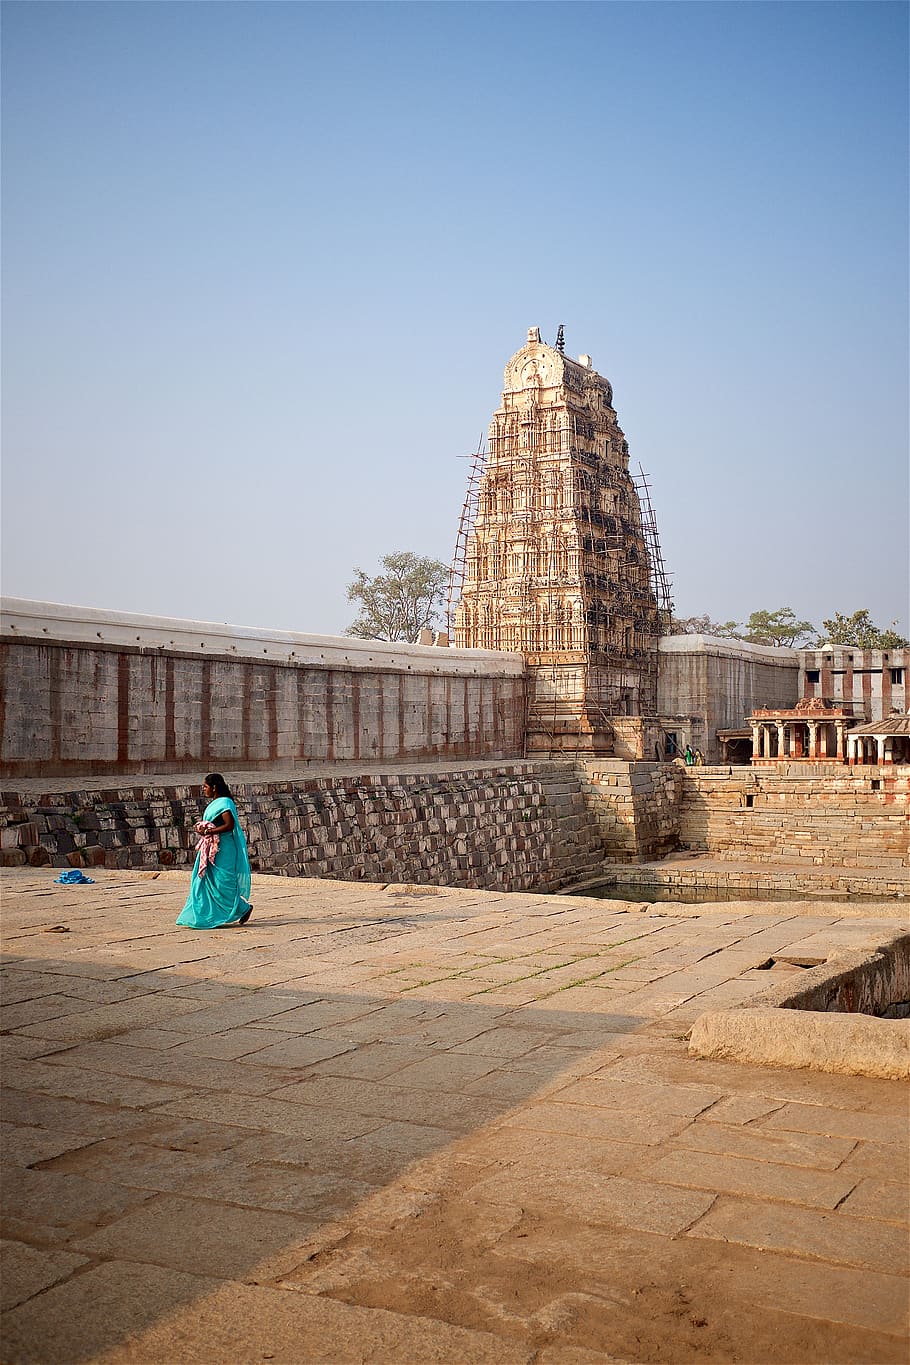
(781,739)
(841,732)
(813,739)
(880,748)
(756,740)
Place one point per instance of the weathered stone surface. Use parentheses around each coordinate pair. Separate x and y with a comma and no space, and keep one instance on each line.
(833,1236)
(883,1125)
(198,1237)
(23,1145)
(817,1150)
(601,1199)
(109,1020)
(143,1315)
(758,1179)
(26,1271)
(560,1208)
(855,1044)
(839,1294)
(70,1204)
(595,1122)
(880,1199)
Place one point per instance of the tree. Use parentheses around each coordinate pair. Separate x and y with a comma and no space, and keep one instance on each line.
(859,631)
(778,628)
(702,625)
(402,601)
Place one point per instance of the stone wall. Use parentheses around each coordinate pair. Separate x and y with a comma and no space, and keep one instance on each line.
(542,825)
(696,878)
(635,805)
(867,981)
(872,681)
(705,685)
(90,692)
(848,818)
(506,828)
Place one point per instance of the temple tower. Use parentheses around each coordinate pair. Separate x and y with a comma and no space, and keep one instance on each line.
(556,562)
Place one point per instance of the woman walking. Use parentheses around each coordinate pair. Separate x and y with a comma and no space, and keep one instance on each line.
(220,886)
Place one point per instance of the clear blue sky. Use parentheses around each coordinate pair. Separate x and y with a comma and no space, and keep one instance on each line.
(264,265)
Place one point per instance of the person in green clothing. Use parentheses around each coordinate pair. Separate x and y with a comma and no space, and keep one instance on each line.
(220,884)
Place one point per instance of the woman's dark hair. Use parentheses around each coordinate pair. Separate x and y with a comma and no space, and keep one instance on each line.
(218,784)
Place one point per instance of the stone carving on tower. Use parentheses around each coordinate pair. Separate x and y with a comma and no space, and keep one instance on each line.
(556,562)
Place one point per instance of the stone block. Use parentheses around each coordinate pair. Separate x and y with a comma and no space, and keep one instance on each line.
(753,1179)
(854,1044)
(26,1271)
(826,1236)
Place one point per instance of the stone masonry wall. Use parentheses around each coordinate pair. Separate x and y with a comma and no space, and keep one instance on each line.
(843,818)
(541,825)
(706,685)
(144,695)
(509,828)
(635,805)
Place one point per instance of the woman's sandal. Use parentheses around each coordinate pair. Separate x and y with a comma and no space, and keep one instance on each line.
(244,917)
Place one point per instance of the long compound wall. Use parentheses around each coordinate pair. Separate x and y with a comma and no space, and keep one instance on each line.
(94,692)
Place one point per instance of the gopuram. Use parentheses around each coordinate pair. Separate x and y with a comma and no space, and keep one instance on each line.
(556,563)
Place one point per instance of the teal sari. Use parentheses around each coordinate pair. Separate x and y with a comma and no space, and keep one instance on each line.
(223,894)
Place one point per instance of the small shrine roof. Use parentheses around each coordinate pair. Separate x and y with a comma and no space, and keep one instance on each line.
(895,724)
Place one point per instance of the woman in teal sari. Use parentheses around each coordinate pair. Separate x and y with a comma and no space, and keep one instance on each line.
(220,886)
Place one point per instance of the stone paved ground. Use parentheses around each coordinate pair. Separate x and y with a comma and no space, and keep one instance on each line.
(419,1125)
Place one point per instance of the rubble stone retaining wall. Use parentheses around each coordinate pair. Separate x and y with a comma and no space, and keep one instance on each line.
(542,825)
(846,818)
(509,828)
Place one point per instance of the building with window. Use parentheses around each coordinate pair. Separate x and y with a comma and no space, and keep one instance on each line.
(742,703)
(872,681)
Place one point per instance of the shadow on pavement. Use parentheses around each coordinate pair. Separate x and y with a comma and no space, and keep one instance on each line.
(166,1134)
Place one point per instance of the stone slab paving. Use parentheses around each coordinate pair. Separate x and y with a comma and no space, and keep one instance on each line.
(407,1125)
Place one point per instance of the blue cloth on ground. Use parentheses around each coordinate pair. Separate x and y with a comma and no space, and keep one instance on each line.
(74,877)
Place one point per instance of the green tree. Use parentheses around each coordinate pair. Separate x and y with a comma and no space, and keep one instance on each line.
(703,625)
(860,632)
(402,601)
(778,628)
